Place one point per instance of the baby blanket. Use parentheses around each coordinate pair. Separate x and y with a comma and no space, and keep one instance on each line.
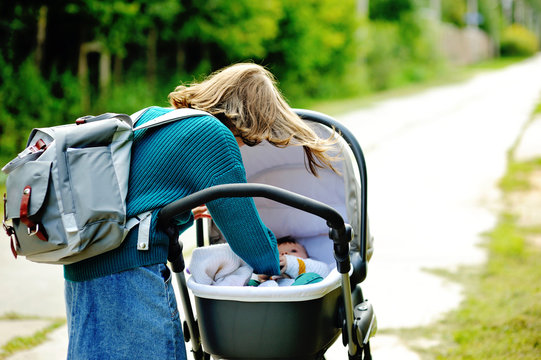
(219,265)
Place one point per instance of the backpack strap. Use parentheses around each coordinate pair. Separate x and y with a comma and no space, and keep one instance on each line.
(143,236)
(33,228)
(171,116)
(144,219)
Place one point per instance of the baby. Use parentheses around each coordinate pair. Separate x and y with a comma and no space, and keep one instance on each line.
(295,267)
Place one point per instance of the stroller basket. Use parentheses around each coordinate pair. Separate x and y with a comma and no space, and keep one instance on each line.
(299,322)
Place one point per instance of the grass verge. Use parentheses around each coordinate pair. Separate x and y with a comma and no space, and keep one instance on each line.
(517,176)
(500,317)
(21,343)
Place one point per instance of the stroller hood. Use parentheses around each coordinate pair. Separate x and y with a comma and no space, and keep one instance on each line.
(285,168)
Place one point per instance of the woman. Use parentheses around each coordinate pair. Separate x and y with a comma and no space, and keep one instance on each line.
(121,304)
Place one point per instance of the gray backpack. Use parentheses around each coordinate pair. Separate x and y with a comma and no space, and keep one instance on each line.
(66,192)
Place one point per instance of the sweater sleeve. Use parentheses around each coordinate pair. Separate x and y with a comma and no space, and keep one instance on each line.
(239,222)
(297,266)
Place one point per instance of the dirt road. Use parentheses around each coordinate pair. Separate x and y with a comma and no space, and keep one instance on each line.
(434,159)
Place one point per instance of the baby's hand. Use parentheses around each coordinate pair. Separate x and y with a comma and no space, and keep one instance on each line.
(283,264)
(200,212)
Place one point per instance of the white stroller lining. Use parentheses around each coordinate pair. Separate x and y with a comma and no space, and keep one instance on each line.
(319,247)
(267,294)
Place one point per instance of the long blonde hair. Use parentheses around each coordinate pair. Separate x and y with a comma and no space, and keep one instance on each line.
(245,98)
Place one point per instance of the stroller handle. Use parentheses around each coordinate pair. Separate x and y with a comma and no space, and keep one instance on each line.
(340,232)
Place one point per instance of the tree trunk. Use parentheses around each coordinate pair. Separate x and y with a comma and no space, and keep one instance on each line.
(118,69)
(40,36)
(152,56)
(82,74)
(104,72)
(181,58)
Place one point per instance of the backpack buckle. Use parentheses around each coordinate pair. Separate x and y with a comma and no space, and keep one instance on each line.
(33,228)
(33,231)
(10,231)
(5,208)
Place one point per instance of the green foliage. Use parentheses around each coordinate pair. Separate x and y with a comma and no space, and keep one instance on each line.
(316,49)
(118,23)
(454,12)
(391,10)
(384,56)
(24,95)
(239,28)
(133,95)
(400,52)
(27,101)
(518,41)
(491,17)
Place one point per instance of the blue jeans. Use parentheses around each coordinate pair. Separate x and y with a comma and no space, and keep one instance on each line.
(129,315)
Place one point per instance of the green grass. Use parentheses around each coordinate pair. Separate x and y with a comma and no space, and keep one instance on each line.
(21,343)
(537,109)
(496,63)
(501,315)
(516,177)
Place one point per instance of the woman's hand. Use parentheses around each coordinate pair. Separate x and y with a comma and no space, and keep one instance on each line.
(201,212)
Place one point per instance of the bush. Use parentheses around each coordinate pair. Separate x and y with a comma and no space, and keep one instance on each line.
(399,53)
(391,10)
(454,12)
(518,41)
(28,100)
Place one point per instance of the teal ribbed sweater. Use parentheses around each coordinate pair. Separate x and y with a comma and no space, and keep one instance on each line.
(171,162)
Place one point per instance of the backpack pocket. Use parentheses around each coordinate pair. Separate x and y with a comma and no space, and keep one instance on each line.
(94,186)
(27,194)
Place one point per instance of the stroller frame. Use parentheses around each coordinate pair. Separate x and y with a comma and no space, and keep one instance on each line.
(356,314)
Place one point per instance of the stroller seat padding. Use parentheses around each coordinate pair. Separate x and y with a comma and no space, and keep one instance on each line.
(267,294)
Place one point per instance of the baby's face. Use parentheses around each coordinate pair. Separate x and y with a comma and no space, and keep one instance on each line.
(293,249)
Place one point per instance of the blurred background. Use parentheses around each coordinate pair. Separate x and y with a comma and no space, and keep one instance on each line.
(63,59)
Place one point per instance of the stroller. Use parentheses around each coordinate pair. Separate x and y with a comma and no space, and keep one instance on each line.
(294,322)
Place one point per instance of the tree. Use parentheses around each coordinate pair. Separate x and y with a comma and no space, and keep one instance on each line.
(389,9)
(223,31)
(317,41)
